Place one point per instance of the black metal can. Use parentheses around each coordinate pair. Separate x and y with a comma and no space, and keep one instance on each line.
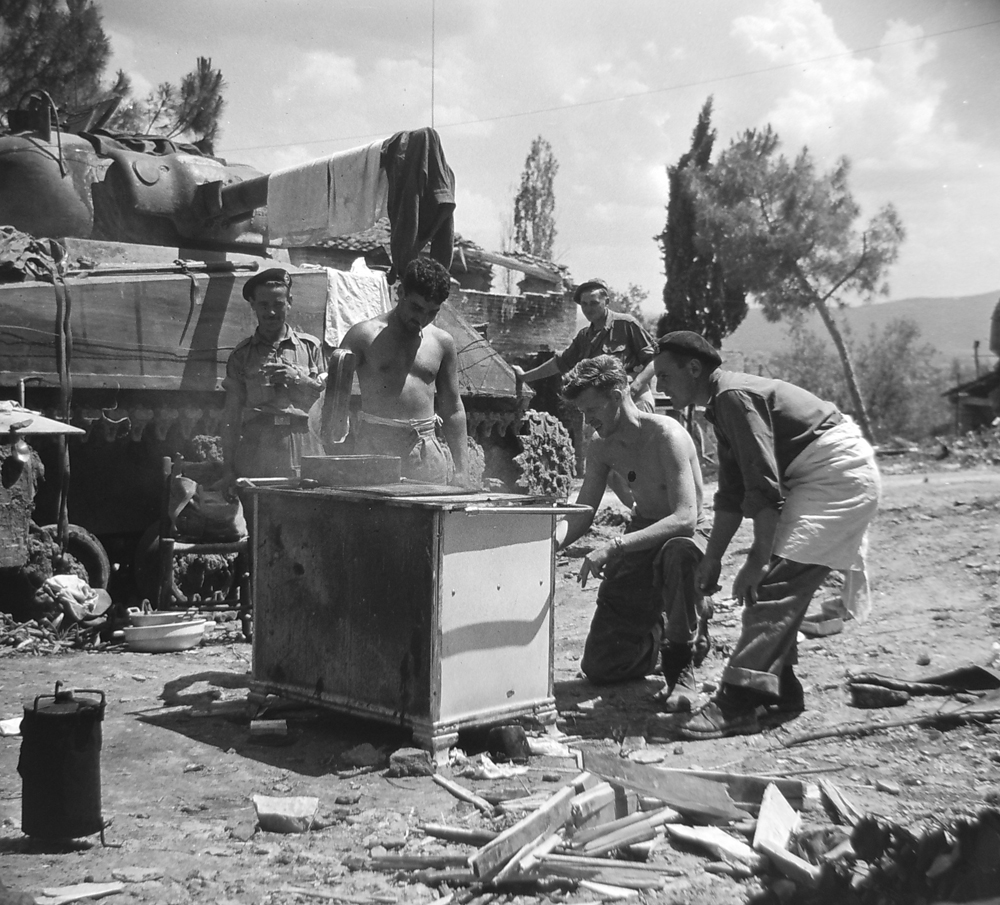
(60,765)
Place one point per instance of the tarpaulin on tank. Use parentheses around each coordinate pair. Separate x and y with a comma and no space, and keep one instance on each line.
(23,257)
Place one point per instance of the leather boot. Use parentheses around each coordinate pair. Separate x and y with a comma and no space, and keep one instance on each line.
(677,663)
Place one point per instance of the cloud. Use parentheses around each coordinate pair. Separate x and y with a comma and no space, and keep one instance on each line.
(321,74)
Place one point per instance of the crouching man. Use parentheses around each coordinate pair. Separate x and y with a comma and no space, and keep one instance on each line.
(648,596)
(802,472)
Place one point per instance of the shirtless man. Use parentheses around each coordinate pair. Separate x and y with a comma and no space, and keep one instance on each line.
(648,595)
(408,371)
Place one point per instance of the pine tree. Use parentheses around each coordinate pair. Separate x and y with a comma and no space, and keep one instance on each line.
(697,294)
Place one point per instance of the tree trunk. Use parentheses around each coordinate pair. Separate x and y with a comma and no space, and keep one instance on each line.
(845,359)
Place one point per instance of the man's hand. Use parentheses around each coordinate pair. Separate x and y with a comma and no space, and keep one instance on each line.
(595,562)
(747,581)
(280,373)
(706,576)
(227,485)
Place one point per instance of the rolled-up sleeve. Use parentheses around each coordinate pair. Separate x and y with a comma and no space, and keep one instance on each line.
(573,354)
(748,468)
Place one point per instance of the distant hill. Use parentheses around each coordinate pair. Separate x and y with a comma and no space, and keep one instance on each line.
(951,325)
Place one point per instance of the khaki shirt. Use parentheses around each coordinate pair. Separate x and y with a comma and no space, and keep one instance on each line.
(245,380)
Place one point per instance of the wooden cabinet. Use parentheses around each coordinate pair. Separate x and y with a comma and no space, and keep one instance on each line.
(433,612)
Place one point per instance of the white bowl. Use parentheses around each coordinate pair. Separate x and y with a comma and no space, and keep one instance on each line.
(167,637)
(162,617)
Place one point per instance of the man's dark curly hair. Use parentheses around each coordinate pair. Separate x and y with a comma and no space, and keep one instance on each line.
(427,278)
(604,373)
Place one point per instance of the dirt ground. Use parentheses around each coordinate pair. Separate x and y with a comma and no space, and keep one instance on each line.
(177,785)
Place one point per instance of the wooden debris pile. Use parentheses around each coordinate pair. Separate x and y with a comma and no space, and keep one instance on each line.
(602,833)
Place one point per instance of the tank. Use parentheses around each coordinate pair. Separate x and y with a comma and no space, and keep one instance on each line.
(156,241)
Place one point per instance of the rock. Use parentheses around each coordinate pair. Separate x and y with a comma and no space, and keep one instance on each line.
(285,815)
(393,843)
(410,762)
(923,659)
(363,755)
(883,785)
(348,798)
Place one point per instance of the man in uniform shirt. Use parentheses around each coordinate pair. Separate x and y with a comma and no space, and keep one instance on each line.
(609,333)
(803,473)
(272,379)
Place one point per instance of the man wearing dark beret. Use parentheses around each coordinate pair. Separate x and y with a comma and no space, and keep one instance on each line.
(803,473)
(608,333)
(272,380)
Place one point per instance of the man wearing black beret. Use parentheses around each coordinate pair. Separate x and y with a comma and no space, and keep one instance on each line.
(272,380)
(803,473)
(608,333)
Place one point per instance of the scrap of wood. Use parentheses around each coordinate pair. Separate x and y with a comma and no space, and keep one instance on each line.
(581,837)
(513,866)
(606,892)
(463,794)
(639,866)
(545,847)
(416,862)
(718,843)
(60,895)
(747,788)
(792,866)
(641,831)
(950,718)
(549,817)
(846,812)
(450,875)
(705,799)
(520,805)
(458,834)
(776,821)
(590,802)
(331,896)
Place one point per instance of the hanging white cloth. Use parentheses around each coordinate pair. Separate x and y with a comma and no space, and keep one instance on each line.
(353,296)
(338,195)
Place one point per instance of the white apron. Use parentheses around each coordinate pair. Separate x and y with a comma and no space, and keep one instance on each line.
(832,491)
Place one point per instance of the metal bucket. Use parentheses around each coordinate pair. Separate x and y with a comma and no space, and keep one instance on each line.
(60,765)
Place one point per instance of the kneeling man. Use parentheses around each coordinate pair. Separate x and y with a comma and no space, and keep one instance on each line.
(801,471)
(648,594)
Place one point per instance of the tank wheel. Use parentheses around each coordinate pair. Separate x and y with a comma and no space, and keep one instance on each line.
(88,551)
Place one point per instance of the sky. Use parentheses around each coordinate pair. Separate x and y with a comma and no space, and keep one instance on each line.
(906,89)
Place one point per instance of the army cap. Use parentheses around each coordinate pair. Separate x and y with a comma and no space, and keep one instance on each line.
(687,342)
(273,275)
(587,286)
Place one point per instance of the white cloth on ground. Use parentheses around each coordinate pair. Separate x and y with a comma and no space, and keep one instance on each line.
(353,296)
(832,491)
(332,196)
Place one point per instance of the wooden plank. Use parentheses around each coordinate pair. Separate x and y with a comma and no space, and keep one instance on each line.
(591,803)
(746,788)
(551,815)
(463,794)
(642,831)
(705,799)
(458,834)
(582,836)
(718,843)
(846,812)
(792,866)
(776,821)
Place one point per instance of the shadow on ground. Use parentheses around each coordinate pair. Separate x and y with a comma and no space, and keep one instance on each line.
(315,743)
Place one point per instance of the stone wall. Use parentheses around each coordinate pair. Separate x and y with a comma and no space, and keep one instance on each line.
(519,326)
